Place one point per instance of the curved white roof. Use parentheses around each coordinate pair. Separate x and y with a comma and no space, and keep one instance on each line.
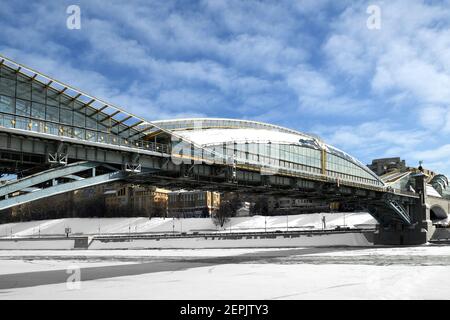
(207,137)
(212,131)
(223,123)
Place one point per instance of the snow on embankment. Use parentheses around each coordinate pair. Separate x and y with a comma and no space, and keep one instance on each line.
(217,242)
(91,226)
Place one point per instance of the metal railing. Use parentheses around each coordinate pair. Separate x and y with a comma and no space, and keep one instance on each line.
(81,134)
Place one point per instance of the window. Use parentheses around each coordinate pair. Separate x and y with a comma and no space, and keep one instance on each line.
(38,92)
(66,102)
(66,116)
(52,97)
(6,104)
(23,107)
(38,110)
(79,119)
(7,87)
(52,114)
(91,123)
(23,88)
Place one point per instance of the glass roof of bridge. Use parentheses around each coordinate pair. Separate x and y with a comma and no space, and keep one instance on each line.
(95,106)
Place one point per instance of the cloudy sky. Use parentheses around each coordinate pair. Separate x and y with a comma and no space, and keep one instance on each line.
(311,65)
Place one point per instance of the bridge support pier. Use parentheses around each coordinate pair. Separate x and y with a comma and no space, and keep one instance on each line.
(402,235)
(421,229)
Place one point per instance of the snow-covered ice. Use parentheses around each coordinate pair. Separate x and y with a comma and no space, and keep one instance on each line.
(302,273)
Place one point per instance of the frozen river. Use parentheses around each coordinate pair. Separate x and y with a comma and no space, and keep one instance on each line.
(419,272)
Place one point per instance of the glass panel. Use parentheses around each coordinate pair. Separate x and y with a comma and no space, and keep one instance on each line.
(52,114)
(102,127)
(6,104)
(79,119)
(52,97)
(66,116)
(38,92)
(7,73)
(78,133)
(52,128)
(23,107)
(66,102)
(7,120)
(65,131)
(22,123)
(91,136)
(123,129)
(91,123)
(102,137)
(38,126)
(7,87)
(24,90)
(38,110)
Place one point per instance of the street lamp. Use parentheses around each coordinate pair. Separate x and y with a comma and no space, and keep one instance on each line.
(287,223)
(265,223)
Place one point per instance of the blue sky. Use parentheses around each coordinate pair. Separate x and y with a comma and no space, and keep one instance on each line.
(310,65)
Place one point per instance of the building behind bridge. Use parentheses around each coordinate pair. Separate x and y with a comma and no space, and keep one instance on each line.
(398,176)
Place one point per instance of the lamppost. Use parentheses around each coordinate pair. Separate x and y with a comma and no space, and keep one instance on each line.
(265,223)
(173,225)
(287,223)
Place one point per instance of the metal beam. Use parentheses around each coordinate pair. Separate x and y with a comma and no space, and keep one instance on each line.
(141,131)
(130,127)
(98,111)
(60,188)
(121,121)
(27,182)
(110,116)
(76,97)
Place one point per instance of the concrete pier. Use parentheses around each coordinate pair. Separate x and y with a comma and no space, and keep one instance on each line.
(419,232)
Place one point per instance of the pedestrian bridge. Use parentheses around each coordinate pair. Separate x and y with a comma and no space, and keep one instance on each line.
(56,139)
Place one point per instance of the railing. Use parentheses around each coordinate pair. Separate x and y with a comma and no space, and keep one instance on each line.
(82,134)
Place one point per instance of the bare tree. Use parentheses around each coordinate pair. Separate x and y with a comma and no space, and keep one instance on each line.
(223,213)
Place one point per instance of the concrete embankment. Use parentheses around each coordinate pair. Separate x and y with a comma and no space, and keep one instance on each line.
(266,240)
(37,244)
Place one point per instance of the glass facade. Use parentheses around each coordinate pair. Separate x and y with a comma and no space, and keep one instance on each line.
(304,157)
(27,104)
(296,158)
